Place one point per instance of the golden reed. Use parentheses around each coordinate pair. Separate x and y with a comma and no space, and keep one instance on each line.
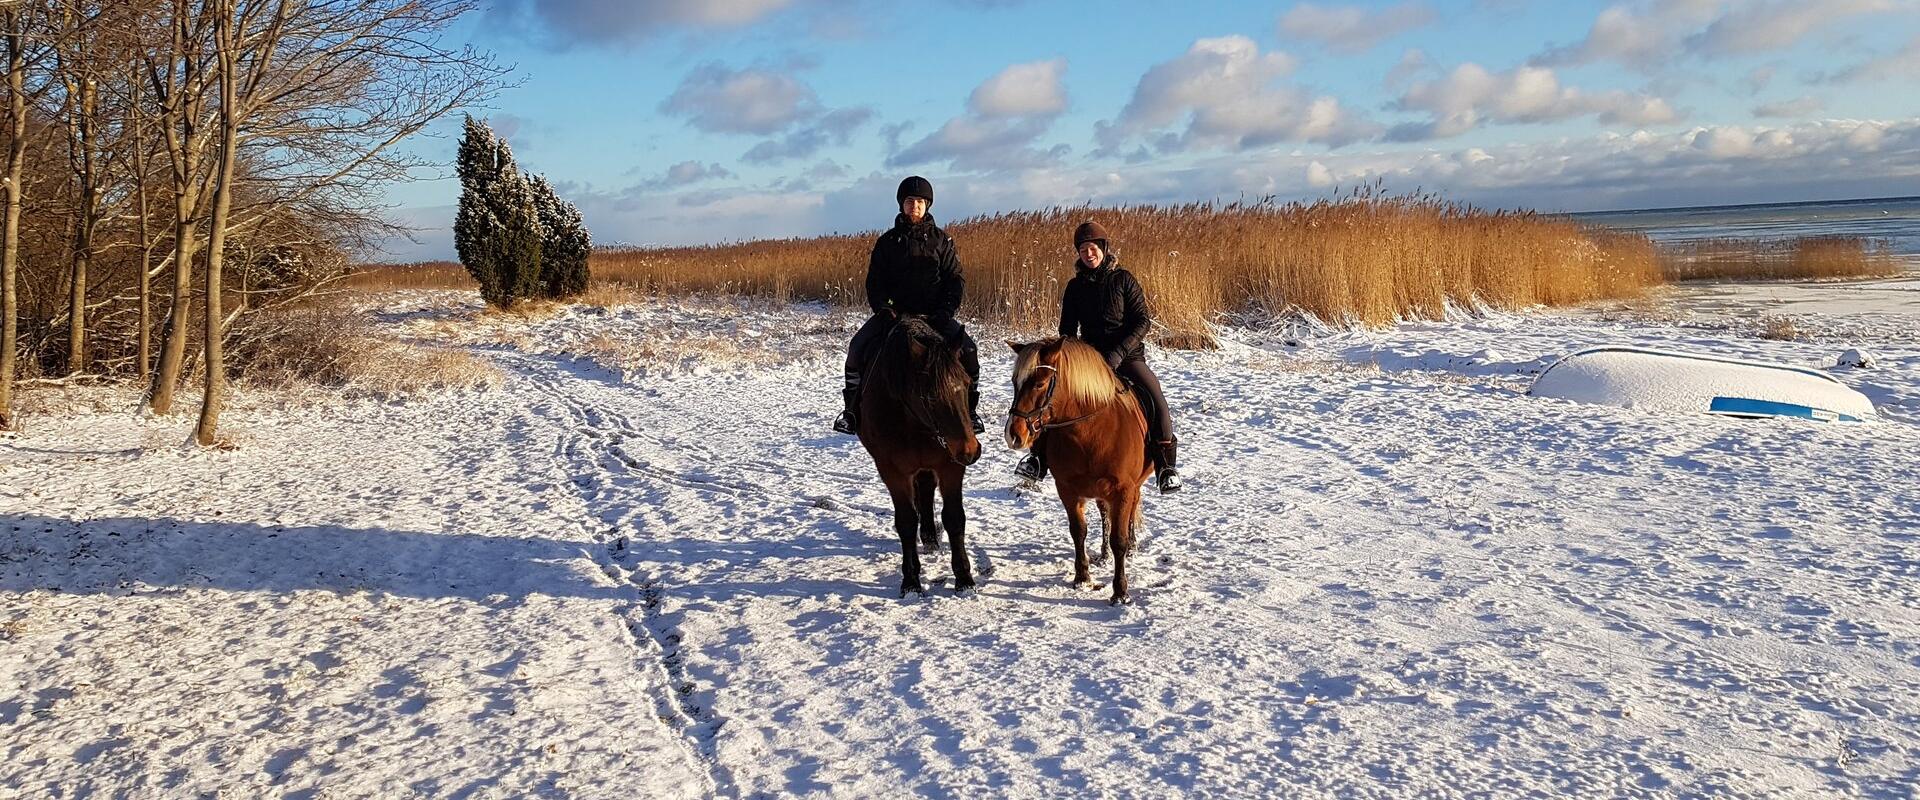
(1363,259)
(1366,259)
(1815,257)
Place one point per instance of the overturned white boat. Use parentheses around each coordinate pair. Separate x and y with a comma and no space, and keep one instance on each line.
(1659,380)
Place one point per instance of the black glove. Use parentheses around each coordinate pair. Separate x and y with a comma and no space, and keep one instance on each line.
(1114,357)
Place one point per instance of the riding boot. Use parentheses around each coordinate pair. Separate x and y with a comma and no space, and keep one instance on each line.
(849,419)
(1166,458)
(973,409)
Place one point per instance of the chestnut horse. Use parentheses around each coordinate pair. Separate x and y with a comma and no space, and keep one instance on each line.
(1093,437)
(914,421)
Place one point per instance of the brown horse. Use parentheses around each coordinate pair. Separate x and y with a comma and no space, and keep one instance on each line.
(914,421)
(1068,401)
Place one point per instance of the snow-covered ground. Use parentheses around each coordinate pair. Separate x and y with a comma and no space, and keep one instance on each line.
(643,567)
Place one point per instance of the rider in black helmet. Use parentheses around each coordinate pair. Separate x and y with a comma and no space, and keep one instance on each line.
(913,270)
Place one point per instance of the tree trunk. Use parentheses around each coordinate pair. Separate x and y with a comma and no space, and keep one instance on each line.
(146,265)
(179,118)
(173,351)
(10,244)
(216,366)
(89,211)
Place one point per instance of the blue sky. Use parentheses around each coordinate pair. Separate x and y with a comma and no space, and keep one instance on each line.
(688,121)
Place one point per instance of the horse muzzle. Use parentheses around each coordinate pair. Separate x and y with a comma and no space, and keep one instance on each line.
(968,452)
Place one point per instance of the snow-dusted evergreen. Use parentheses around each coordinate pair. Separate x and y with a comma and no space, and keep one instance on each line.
(496,230)
(566,246)
(513,233)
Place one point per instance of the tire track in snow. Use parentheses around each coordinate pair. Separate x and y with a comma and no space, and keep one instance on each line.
(592,462)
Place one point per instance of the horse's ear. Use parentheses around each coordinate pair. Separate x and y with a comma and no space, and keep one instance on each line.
(1017,347)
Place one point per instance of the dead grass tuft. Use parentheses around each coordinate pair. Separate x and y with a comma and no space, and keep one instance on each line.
(611,295)
(333,347)
(1780,329)
(1189,340)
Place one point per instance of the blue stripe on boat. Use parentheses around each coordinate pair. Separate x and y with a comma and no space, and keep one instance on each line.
(1747,406)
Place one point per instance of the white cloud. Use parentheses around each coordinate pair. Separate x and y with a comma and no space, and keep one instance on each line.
(1353,29)
(1902,64)
(1641,35)
(834,127)
(1006,115)
(1650,34)
(1318,176)
(766,101)
(1225,91)
(982,145)
(615,21)
(686,173)
(1762,26)
(1022,90)
(1471,95)
(1704,165)
(755,100)
(1796,108)
(1411,63)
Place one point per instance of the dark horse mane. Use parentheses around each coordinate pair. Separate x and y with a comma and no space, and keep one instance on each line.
(920,387)
(914,423)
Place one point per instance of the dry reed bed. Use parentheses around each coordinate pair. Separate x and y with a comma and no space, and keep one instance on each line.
(417,275)
(1820,257)
(1364,259)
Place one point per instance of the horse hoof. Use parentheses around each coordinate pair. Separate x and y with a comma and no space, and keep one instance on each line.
(963,587)
(1084,584)
(912,588)
(1121,600)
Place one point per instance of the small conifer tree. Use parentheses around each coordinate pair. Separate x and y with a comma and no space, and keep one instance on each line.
(516,250)
(475,227)
(567,245)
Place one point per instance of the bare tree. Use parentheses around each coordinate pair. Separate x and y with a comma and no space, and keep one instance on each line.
(271,125)
(16,17)
(83,41)
(317,94)
(143,237)
(177,74)
(228,52)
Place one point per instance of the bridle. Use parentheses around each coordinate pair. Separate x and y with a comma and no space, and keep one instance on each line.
(912,409)
(1044,409)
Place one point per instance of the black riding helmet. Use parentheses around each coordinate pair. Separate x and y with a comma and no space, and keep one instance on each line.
(914,186)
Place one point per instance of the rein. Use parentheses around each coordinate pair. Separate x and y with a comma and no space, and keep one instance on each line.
(1046,406)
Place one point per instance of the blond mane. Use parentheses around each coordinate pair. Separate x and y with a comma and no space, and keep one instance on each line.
(1084,375)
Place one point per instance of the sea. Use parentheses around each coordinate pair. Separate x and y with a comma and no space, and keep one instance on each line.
(1893,222)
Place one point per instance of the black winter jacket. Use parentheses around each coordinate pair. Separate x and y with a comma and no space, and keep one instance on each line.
(1106,308)
(914,270)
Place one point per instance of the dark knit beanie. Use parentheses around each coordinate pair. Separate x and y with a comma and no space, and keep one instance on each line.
(914,186)
(1089,231)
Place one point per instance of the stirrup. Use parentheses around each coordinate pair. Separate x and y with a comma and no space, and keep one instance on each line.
(847,424)
(978,426)
(1169,480)
(1030,469)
